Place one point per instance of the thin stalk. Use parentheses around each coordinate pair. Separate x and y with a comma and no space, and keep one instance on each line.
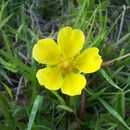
(110,62)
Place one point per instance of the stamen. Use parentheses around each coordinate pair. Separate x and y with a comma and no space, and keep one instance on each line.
(65,65)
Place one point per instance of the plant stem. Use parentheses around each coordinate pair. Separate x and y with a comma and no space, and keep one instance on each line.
(110,62)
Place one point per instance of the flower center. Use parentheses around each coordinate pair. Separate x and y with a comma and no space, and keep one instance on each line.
(65,65)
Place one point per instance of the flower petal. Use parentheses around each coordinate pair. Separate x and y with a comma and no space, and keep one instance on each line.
(73,84)
(46,51)
(89,61)
(51,78)
(70,41)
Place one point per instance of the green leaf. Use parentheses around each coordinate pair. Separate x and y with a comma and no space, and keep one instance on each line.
(33,34)
(120,104)
(7,42)
(108,79)
(5,76)
(21,67)
(9,66)
(3,7)
(64,107)
(8,90)
(3,127)
(61,100)
(35,107)
(3,22)
(114,113)
(79,16)
(5,108)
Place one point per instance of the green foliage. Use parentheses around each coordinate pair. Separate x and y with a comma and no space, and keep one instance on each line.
(6,111)
(105,24)
(36,104)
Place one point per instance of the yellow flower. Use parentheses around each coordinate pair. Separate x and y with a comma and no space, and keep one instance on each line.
(63,58)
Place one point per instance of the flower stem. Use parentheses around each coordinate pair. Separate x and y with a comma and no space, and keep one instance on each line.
(110,62)
(83,104)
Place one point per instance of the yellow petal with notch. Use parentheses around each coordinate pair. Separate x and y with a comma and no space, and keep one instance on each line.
(89,61)
(51,78)
(46,51)
(70,41)
(73,84)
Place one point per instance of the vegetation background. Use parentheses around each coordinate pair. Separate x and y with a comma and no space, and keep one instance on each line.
(104,103)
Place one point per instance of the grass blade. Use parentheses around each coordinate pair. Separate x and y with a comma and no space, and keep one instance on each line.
(17,62)
(3,22)
(120,104)
(8,90)
(61,100)
(6,42)
(108,79)
(114,113)
(5,107)
(64,107)
(36,104)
